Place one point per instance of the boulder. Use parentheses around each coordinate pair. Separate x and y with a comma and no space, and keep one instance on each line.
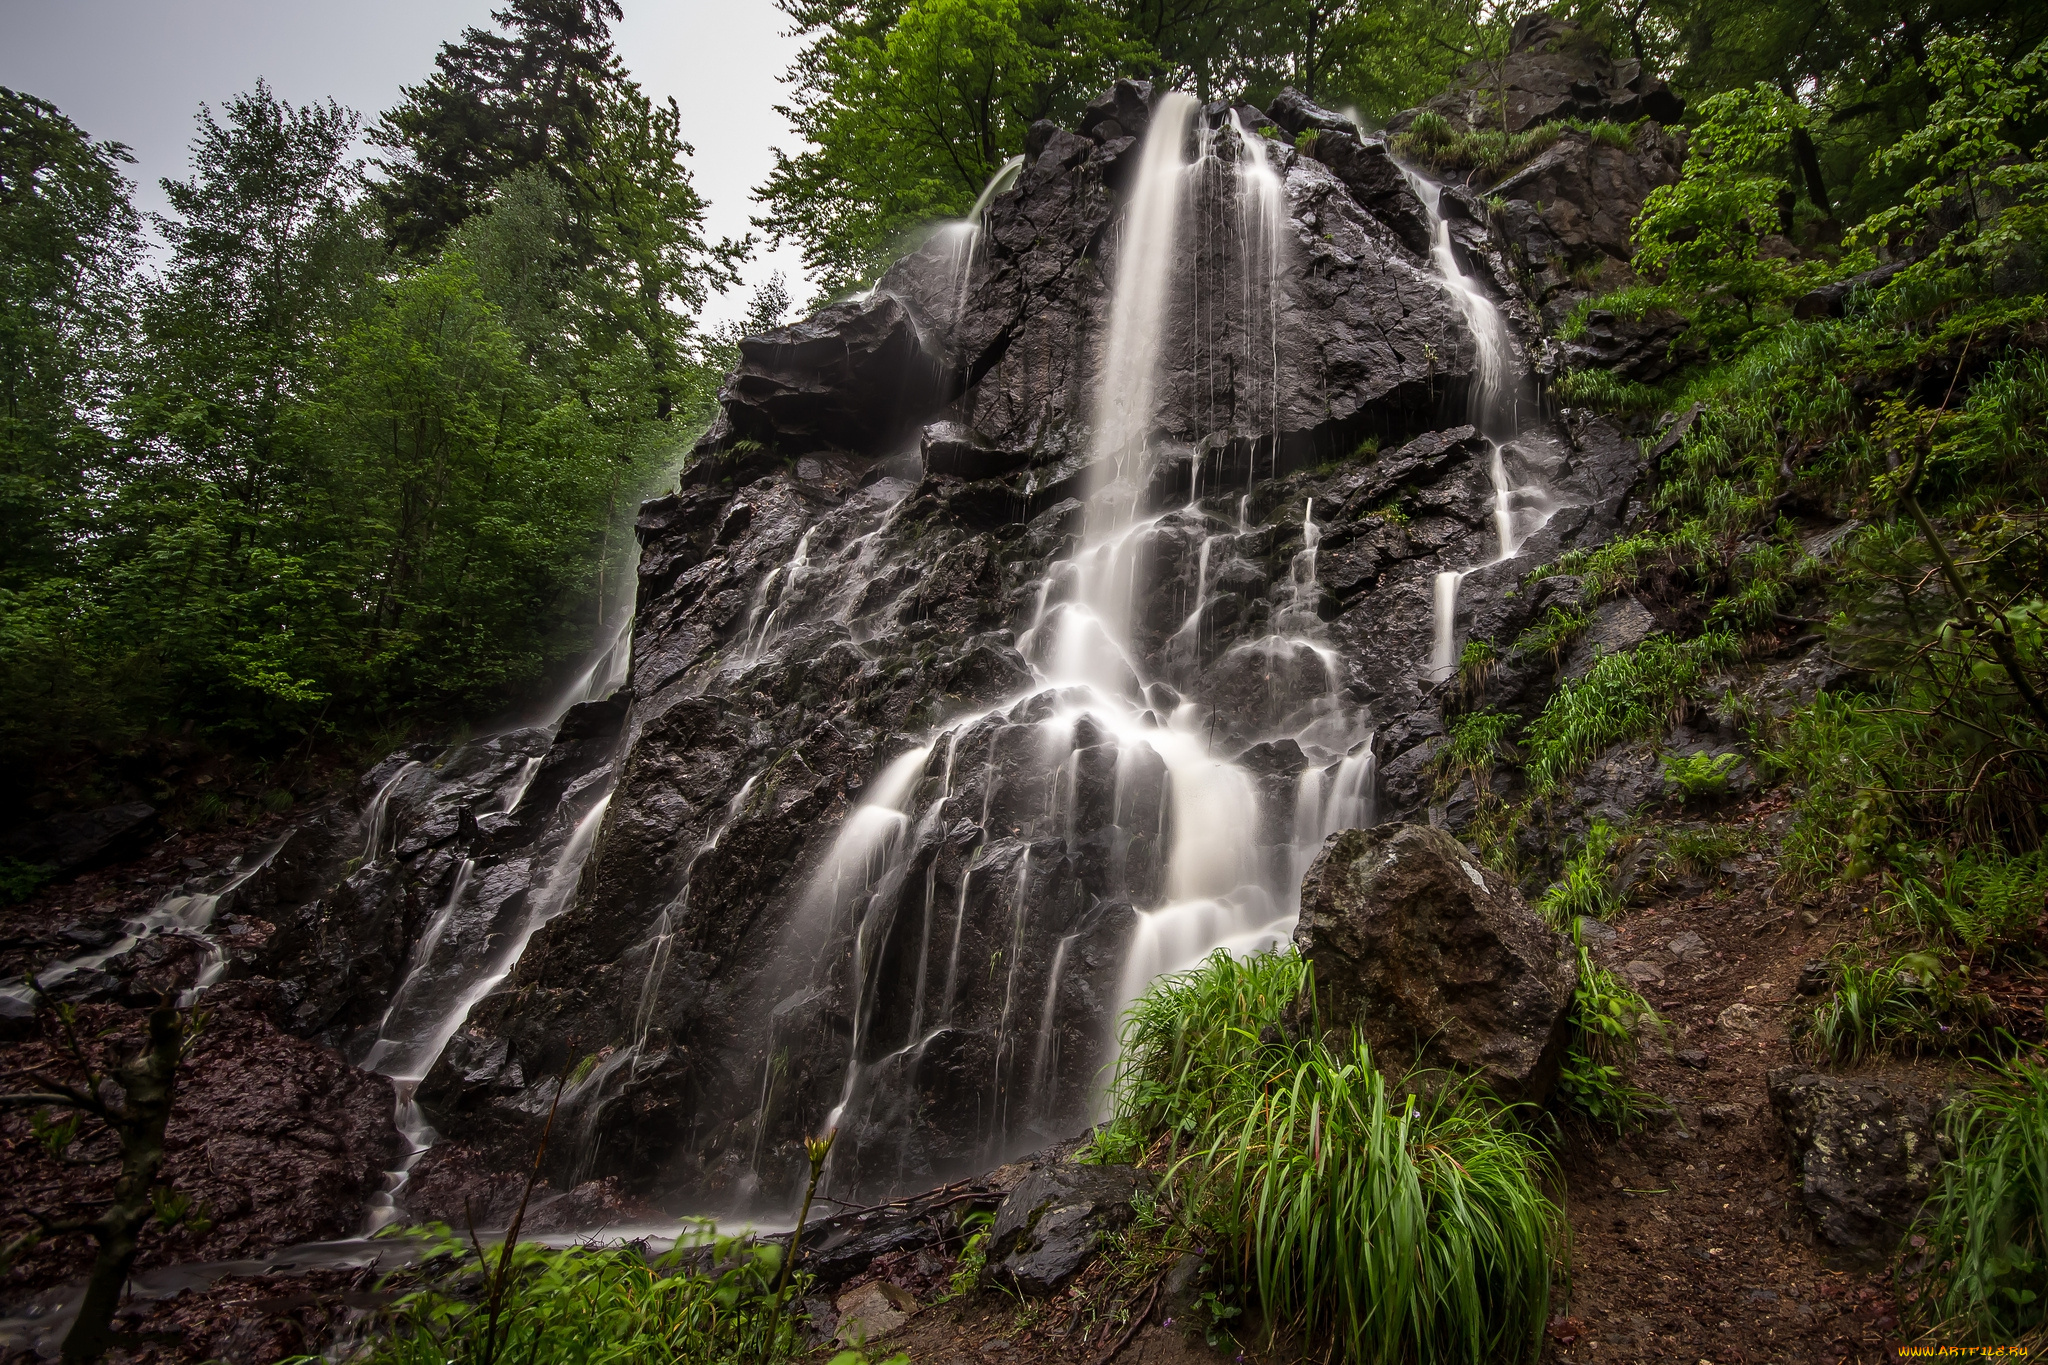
(1829,300)
(1369,172)
(1865,1152)
(872,1311)
(1127,104)
(1553,70)
(1297,113)
(854,375)
(1437,961)
(1049,1227)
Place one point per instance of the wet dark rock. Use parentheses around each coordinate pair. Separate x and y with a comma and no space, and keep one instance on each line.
(1051,1225)
(1436,960)
(1368,171)
(75,841)
(1865,1152)
(1127,104)
(853,375)
(1617,625)
(1297,114)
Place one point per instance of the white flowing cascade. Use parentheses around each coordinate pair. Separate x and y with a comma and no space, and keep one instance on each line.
(1493,408)
(1220,887)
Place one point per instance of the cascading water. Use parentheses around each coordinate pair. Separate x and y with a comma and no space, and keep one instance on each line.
(1205,853)
(1494,409)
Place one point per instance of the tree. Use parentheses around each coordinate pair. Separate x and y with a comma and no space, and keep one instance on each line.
(497,103)
(264,256)
(1970,149)
(67,247)
(1703,233)
(909,118)
(101,1130)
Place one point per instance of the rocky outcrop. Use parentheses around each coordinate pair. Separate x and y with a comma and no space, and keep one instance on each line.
(1552,70)
(688,896)
(1865,1152)
(1434,960)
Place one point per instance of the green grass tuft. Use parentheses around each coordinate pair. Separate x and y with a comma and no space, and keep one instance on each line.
(1399,1222)
(1990,1212)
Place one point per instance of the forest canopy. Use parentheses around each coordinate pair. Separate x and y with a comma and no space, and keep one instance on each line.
(349,453)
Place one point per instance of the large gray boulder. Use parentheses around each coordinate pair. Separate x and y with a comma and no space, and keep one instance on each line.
(1436,960)
(1865,1151)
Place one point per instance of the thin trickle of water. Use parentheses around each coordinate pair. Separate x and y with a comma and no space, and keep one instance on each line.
(1493,407)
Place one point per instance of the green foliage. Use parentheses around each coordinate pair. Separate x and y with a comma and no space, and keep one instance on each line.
(1476,661)
(1403,1226)
(909,110)
(1703,848)
(67,243)
(1587,887)
(1697,776)
(581,1304)
(1628,695)
(1965,145)
(1702,234)
(1605,1023)
(1475,743)
(1986,898)
(1607,391)
(336,492)
(967,1270)
(1435,141)
(1989,1237)
(1912,1004)
(1554,634)
(20,880)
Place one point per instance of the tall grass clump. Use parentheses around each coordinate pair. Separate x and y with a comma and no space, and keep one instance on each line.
(1990,1212)
(1587,887)
(1398,1221)
(1623,696)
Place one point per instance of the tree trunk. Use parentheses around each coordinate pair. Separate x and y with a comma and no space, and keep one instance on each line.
(148,1084)
(1809,166)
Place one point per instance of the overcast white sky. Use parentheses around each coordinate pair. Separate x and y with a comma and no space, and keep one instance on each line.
(137,70)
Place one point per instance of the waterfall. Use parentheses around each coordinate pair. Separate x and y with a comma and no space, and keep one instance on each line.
(1192,852)
(1493,408)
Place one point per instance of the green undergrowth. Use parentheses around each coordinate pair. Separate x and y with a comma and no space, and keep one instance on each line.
(1633,694)
(1608,1021)
(1987,1248)
(1393,1218)
(1436,142)
(713,1300)
(1914,1004)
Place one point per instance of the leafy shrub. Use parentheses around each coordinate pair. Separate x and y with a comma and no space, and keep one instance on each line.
(1701,850)
(1406,1227)
(1987,897)
(1990,1211)
(1623,696)
(1475,666)
(20,880)
(1694,776)
(1606,1015)
(578,1304)
(1587,887)
(1606,390)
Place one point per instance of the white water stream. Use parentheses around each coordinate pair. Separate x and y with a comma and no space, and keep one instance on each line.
(1494,409)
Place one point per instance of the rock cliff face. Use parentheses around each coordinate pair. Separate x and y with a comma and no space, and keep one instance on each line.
(950,721)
